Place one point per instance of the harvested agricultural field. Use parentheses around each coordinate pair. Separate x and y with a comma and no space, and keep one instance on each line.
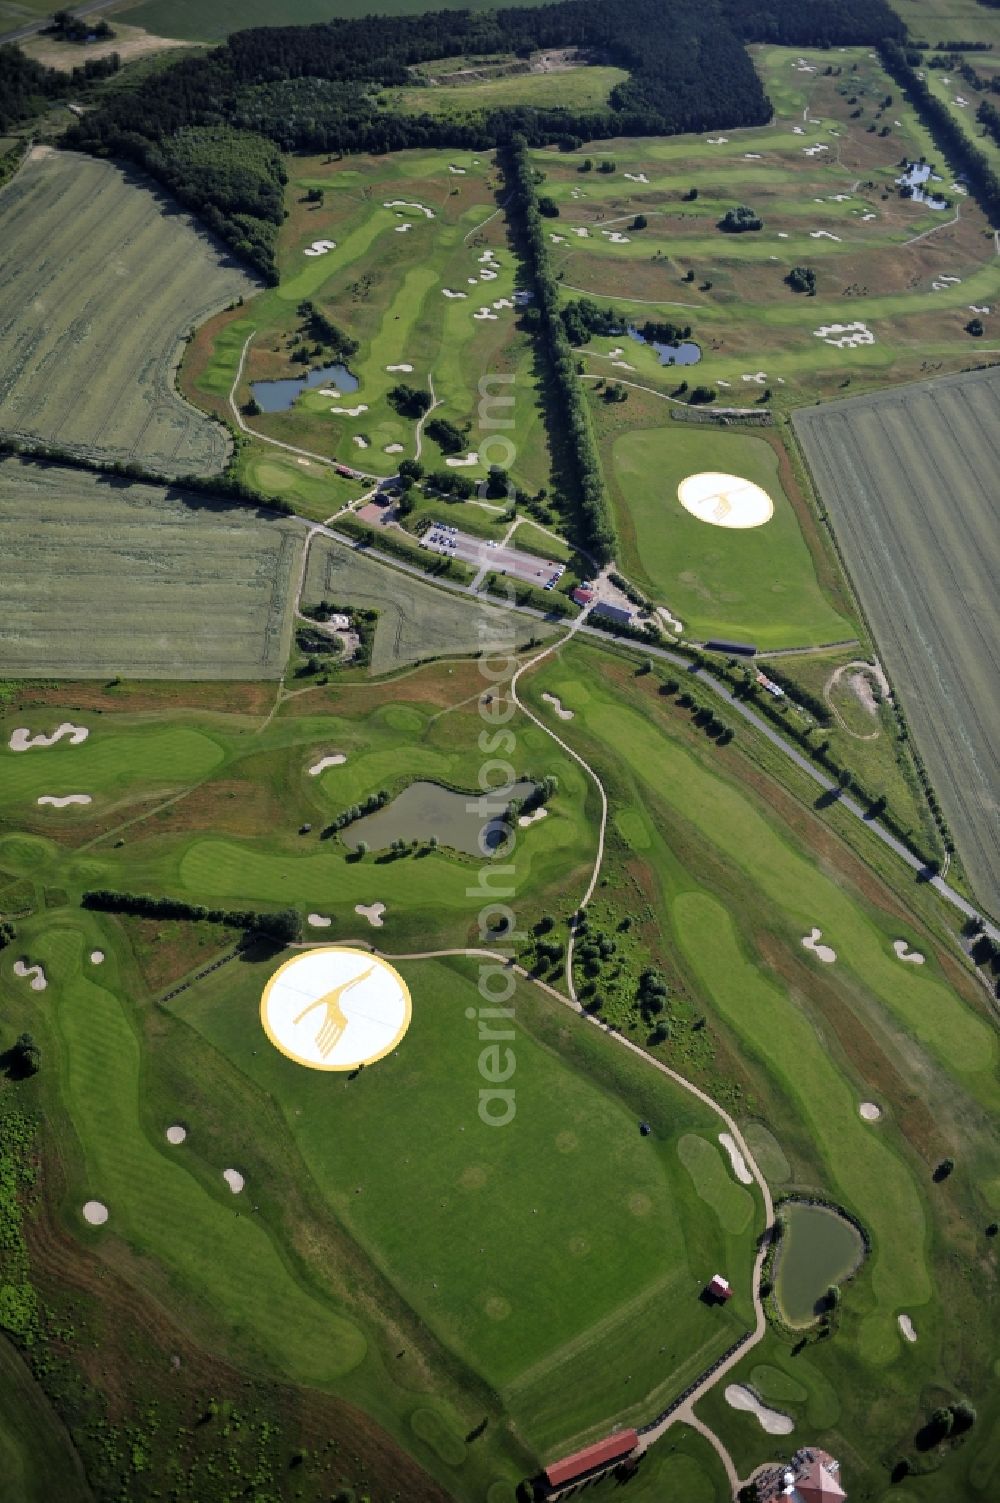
(211,23)
(103,576)
(909,480)
(416,620)
(101,278)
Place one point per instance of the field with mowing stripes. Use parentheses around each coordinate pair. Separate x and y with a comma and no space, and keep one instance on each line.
(100,281)
(106,576)
(909,480)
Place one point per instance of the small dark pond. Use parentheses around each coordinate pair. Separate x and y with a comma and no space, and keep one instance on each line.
(277,396)
(425,809)
(685,353)
(819,1248)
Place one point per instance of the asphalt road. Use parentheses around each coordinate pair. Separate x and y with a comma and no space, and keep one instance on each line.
(32,28)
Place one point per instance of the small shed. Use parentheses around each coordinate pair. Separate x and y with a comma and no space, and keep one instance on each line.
(719,1288)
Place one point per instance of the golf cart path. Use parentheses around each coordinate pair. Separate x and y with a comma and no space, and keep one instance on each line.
(419,430)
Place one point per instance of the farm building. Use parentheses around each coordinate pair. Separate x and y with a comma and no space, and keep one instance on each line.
(719,1288)
(812,1476)
(614,612)
(592,1461)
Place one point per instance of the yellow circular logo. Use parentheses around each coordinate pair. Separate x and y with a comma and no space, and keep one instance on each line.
(332,1009)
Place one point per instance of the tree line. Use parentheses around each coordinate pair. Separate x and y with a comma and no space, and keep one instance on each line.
(284,927)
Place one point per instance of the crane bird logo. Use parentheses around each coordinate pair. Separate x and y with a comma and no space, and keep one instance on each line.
(335,1009)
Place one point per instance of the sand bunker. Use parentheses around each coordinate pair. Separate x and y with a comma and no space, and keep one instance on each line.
(34,973)
(487,275)
(814,151)
(234,1180)
(943,283)
(393,449)
(324,762)
(62,802)
(751,156)
(458,171)
(725,500)
(97,957)
(319,920)
(811,942)
(845,336)
(976,308)
(717,140)
(360,440)
(622,365)
(867,218)
(759,377)
(457,464)
(22,739)
(401,229)
(822,235)
(351,411)
(798,130)
(176,1134)
(906,1327)
(503,302)
(903,952)
(399,203)
(447,292)
(486,257)
(736,1158)
(529,819)
(672,622)
(558,706)
(406,368)
(485,313)
(582,231)
(771,1420)
(372,912)
(95,1212)
(616,237)
(558,239)
(636,177)
(782,234)
(869,1112)
(320,247)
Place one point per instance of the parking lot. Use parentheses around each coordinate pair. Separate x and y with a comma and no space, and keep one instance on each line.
(481,553)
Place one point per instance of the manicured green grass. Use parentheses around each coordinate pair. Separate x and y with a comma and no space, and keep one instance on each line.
(574,89)
(189,19)
(756,585)
(36,1456)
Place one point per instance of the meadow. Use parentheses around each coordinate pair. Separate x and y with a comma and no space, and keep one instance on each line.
(101,281)
(168,587)
(573,88)
(904,475)
(36,1454)
(385,285)
(191,20)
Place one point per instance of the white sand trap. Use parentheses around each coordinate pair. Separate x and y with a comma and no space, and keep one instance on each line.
(65,800)
(798,130)
(454,463)
(23,740)
(393,449)
(399,203)
(324,762)
(822,952)
(582,231)
(903,952)
(503,302)
(672,622)
(845,336)
(486,257)
(319,920)
(622,365)
(782,234)
(176,1134)
(840,198)
(484,314)
(330,391)
(736,1158)
(867,218)
(447,292)
(822,235)
(976,308)
(558,239)
(473,281)
(558,706)
(234,1180)
(720,382)
(372,912)
(97,957)
(320,247)
(487,275)
(350,411)
(360,440)
(751,156)
(814,151)
(943,283)
(906,1327)
(869,1112)
(616,237)
(458,171)
(406,368)
(758,376)
(717,140)
(95,1212)
(524,820)
(32,973)
(725,500)
(771,1420)
(636,177)
(401,229)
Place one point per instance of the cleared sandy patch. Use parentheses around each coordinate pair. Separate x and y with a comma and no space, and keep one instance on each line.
(906,1327)
(95,1212)
(903,952)
(97,957)
(771,1420)
(401,229)
(22,739)
(725,500)
(234,1180)
(393,449)
(32,973)
(333,760)
(406,368)
(845,336)
(717,140)
(448,292)
(524,820)
(360,440)
(558,706)
(869,1112)
(822,235)
(811,942)
(319,920)
(62,801)
(458,464)
(672,622)
(176,1134)
(557,239)
(399,203)
(350,411)
(320,247)
(372,912)
(736,1158)
(485,313)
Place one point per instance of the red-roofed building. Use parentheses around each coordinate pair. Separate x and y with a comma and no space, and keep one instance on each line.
(719,1287)
(592,1460)
(812,1476)
(582,596)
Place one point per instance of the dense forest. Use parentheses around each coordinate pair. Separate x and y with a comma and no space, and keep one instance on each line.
(315,88)
(26,87)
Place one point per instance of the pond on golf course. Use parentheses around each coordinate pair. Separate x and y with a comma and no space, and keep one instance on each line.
(819,1248)
(684,353)
(277,396)
(426,809)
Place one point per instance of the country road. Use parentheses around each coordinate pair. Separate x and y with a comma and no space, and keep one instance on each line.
(32,28)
